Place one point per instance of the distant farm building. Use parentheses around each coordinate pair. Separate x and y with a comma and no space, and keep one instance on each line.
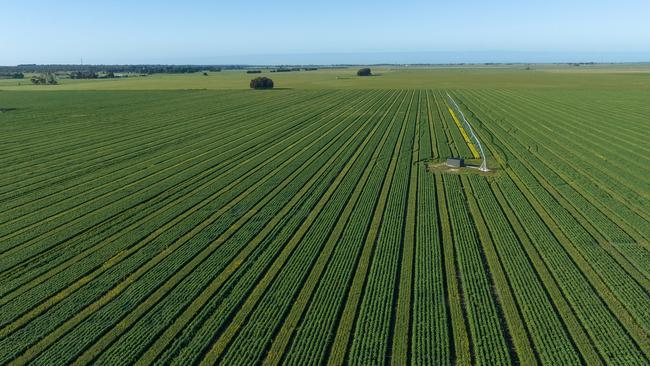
(455,162)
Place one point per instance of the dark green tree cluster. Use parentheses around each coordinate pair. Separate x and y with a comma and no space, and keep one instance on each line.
(83,75)
(364,72)
(261,83)
(44,79)
(12,75)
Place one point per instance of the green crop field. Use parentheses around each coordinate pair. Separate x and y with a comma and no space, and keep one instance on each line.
(181,219)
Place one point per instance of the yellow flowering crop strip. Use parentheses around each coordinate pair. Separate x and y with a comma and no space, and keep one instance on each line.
(471,146)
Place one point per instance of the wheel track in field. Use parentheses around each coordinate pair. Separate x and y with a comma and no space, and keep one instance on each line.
(152,262)
(632,269)
(571,323)
(139,132)
(71,145)
(613,216)
(603,145)
(462,343)
(210,291)
(338,350)
(275,123)
(136,224)
(461,216)
(611,301)
(623,132)
(64,177)
(282,338)
(193,348)
(113,261)
(569,207)
(633,190)
(578,167)
(631,264)
(109,337)
(61,136)
(105,195)
(600,334)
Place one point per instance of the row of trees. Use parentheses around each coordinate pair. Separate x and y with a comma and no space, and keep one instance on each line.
(91,75)
(283,69)
(133,69)
(12,75)
(262,82)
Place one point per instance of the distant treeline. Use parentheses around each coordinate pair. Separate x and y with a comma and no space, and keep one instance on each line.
(12,75)
(135,69)
(91,75)
(283,69)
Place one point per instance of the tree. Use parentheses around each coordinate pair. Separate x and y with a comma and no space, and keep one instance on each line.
(83,75)
(44,79)
(364,72)
(261,83)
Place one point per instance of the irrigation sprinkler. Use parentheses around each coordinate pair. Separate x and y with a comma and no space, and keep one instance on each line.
(483,166)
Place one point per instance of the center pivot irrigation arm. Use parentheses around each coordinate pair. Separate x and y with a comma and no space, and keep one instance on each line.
(483,167)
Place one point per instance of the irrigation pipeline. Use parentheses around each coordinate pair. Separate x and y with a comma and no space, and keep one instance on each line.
(483,167)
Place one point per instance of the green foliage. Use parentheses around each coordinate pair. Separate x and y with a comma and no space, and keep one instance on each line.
(44,79)
(261,83)
(364,72)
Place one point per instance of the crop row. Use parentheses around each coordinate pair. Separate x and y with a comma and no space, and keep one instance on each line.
(196,197)
(183,283)
(130,122)
(599,172)
(261,240)
(531,188)
(233,123)
(621,279)
(199,172)
(313,245)
(373,330)
(80,161)
(169,165)
(546,330)
(599,169)
(169,234)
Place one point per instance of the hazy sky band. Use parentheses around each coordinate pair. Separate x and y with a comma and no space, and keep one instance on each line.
(325,32)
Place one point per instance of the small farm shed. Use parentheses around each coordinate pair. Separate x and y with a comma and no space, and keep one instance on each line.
(455,162)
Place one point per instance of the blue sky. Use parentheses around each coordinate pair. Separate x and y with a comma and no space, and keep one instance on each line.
(325,32)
